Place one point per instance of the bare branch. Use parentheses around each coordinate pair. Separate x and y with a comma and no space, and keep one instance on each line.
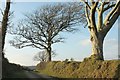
(92,1)
(114,17)
(86,3)
(111,12)
(58,40)
(92,17)
(87,15)
(108,7)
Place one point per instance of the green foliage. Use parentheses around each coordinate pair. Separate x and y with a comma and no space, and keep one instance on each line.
(85,69)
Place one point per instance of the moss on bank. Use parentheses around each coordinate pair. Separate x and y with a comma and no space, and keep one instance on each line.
(86,69)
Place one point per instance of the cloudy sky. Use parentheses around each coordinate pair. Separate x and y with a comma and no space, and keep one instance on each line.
(76,45)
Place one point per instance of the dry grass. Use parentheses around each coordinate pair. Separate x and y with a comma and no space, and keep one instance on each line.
(86,69)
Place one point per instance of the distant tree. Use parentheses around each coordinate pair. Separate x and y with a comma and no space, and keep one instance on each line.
(98,25)
(43,56)
(43,27)
(66,60)
(72,59)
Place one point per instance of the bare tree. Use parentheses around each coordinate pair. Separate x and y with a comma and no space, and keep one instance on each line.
(43,27)
(98,25)
(4,23)
(43,56)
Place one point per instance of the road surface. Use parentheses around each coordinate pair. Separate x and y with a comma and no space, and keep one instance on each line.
(33,75)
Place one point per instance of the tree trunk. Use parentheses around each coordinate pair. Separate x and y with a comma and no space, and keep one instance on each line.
(97,47)
(49,53)
(5,24)
(99,28)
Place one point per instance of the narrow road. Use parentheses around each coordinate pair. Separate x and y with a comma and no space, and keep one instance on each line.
(33,75)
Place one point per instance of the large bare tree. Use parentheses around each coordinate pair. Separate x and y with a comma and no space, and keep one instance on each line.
(43,27)
(98,25)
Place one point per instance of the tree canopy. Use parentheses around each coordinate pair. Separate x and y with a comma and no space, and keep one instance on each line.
(43,27)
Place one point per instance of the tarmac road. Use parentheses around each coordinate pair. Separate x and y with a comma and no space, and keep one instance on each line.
(35,76)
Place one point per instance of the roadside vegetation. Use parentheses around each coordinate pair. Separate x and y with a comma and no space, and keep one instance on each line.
(86,69)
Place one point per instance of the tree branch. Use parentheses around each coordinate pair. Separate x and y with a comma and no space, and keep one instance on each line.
(92,17)
(87,15)
(38,47)
(32,41)
(114,17)
(108,7)
(86,3)
(111,12)
(100,17)
(58,40)
(92,1)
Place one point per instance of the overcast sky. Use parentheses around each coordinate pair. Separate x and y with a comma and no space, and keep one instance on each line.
(76,45)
